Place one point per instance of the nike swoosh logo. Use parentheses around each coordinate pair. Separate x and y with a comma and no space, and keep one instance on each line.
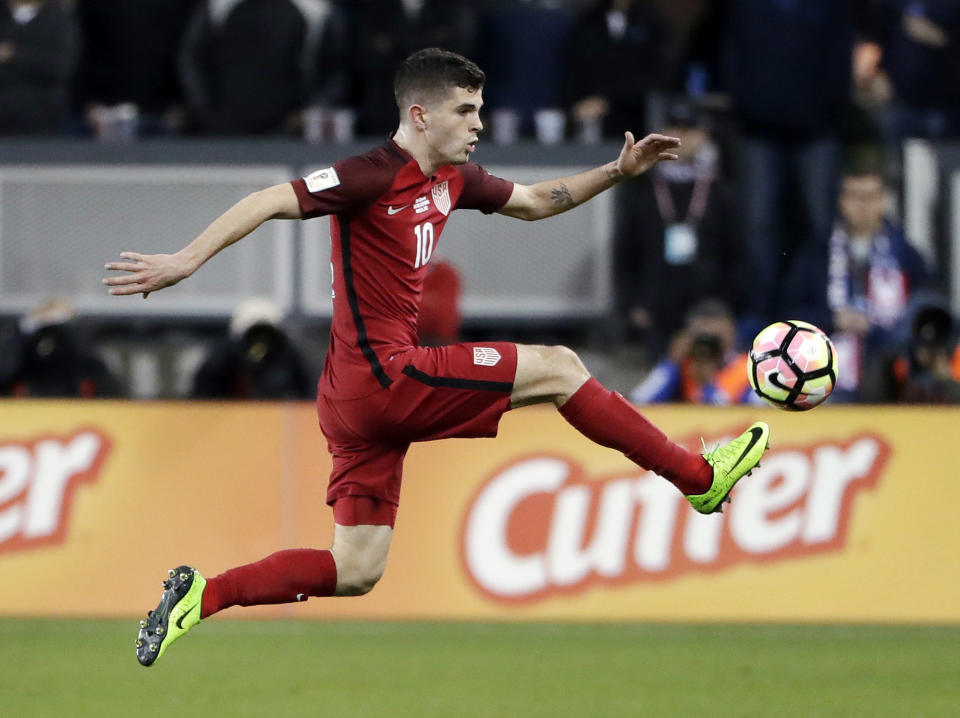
(775,380)
(185,614)
(391,211)
(755,434)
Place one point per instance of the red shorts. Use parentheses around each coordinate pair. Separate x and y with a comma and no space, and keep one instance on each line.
(456,391)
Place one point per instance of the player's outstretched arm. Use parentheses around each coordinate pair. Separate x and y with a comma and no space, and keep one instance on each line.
(150,272)
(546,199)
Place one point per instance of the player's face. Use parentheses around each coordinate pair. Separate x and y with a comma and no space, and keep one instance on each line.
(453,125)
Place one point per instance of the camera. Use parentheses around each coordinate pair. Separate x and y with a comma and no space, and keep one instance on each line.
(706,347)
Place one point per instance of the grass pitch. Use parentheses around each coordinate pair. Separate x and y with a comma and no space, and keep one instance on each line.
(461,670)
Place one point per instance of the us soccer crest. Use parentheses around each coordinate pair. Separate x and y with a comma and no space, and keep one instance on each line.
(441,197)
(485,356)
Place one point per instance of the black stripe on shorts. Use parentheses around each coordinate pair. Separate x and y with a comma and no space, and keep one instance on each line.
(454,383)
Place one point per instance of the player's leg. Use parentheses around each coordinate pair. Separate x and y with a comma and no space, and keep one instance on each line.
(363,530)
(360,553)
(350,567)
(556,375)
(282,577)
(546,374)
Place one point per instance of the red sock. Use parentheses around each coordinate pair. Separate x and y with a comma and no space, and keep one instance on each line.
(282,577)
(610,420)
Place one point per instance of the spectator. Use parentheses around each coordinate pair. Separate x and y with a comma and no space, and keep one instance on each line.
(676,237)
(787,65)
(693,50)
(522,46)
(249,66)
(702,366)
(859,289)
(384,32)
(54,360)
(257,361)
(622,34)
(129,57)
(38,54)
(450,24)
(439,320)
(919,43)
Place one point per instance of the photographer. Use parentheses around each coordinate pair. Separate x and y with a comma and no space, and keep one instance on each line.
(929,373)
(702,366)
(258,360)
(49,356)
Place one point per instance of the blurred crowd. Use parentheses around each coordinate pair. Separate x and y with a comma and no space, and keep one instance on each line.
(290,66)
(783,203)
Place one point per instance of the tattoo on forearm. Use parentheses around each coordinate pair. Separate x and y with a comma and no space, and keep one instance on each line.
(560,197)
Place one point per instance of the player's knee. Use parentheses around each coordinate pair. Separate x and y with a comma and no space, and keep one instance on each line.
(549,373)
(356,578)
(358,584)
(567,366)
(360,553)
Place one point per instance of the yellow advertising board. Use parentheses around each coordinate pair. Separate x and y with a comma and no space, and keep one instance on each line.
(849,518)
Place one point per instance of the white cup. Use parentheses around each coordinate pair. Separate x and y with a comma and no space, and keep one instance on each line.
(316,118)
(506,126)
(591,131)
(550,123)
(342,122)
(116,123)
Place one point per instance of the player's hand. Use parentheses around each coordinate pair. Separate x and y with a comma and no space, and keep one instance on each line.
(146,273)
(637,157)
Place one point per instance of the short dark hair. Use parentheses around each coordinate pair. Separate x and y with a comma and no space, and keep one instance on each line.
(863,161)
(431,71)
(863,171)
(709,308)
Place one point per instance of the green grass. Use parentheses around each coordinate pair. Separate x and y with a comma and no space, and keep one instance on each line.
(460,670)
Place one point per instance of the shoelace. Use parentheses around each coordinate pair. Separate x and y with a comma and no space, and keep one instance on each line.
(704,445)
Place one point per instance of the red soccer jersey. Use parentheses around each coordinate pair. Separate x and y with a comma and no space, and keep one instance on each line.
(387,221)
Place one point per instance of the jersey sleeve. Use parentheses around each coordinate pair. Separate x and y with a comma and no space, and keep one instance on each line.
(347,187)
(482,190)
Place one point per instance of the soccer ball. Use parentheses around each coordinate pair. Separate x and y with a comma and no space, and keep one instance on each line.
(792,365)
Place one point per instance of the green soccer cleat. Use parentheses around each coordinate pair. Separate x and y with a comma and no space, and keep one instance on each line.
(731,462)
(177,612)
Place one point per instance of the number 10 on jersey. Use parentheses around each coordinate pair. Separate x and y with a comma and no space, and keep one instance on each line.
(424,234)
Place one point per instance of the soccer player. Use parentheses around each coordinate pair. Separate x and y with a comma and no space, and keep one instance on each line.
(379,391)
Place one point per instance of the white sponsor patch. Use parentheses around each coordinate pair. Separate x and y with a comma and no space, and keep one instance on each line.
(322,179)
(485,356)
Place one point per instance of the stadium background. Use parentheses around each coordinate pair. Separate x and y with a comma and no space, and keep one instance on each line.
(829,589)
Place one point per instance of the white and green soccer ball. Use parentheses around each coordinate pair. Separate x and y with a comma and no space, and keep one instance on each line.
(792,365)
